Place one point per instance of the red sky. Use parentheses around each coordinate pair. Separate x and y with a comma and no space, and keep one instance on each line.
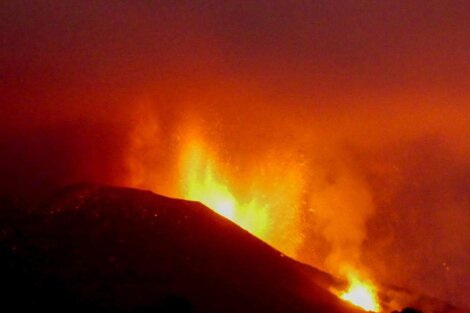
(378,88)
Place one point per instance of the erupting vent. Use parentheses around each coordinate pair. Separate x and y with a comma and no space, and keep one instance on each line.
(361,294)
(202,181)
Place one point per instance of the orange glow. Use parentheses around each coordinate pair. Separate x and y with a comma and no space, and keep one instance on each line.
(201,181)
(262,201)
(361,293)
(266,194)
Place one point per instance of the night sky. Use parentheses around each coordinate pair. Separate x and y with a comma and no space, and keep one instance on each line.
(374,94)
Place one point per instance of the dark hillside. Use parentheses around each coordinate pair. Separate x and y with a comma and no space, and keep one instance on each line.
(103,249)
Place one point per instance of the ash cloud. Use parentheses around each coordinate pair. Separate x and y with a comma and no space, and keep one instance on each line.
(373,95)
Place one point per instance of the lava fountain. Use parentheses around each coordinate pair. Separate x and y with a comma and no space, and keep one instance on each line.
(201,180)
(267,196)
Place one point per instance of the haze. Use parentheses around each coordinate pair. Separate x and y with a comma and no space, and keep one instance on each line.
(370,99)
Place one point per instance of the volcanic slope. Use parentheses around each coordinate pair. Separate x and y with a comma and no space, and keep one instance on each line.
(106,249)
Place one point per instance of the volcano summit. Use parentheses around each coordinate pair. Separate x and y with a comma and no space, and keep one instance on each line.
(105,249)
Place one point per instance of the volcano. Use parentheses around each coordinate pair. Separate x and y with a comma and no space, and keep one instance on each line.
(105,249)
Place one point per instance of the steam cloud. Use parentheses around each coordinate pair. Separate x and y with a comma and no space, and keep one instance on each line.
(369,101)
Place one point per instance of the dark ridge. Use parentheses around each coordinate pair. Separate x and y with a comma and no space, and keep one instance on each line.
(104,249)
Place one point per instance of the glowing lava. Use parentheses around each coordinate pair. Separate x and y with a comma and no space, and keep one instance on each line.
(203,179)
(203,185)
(267,196)
(361,294)
(202,182)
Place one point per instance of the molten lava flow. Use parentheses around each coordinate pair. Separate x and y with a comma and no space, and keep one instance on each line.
(361,294)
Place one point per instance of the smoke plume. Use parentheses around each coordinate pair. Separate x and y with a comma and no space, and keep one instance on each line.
(352,119)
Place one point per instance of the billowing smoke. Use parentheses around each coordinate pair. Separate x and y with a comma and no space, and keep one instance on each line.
(365,106)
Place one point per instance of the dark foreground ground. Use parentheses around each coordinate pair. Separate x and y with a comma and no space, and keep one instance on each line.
(103,249)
